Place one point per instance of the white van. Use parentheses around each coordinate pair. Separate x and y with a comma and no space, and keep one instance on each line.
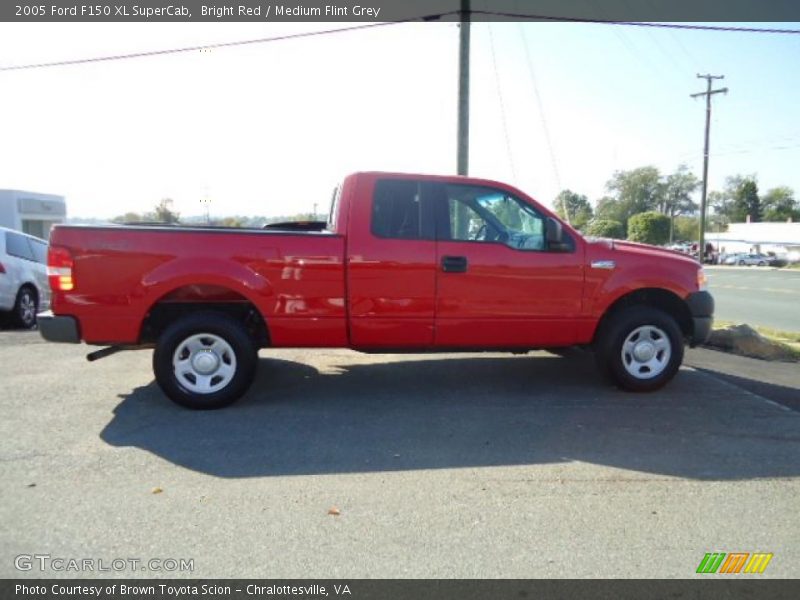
(24,289)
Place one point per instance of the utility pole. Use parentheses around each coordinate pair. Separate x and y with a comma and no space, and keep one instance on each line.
(463,91)
(708,93)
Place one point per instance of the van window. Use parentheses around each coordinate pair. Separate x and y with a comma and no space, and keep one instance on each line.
(39,251)
(17,245)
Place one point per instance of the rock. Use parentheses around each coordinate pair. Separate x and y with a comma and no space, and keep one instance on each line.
(744,340)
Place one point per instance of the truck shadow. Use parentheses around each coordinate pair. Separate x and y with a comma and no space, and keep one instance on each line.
(466,412)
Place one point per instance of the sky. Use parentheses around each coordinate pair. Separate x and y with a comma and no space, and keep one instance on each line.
(270,129)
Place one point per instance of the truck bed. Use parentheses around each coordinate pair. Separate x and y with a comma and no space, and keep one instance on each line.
(122,272)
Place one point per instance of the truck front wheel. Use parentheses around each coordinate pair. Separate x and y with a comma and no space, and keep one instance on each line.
(641,348)
(205,360)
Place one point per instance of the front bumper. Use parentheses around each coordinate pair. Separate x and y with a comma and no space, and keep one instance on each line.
(57,328)
(701,306)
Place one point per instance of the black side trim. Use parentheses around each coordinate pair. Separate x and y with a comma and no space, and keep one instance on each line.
(58,328)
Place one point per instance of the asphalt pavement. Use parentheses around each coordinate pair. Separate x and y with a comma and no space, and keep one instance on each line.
(338,464)
(757,296)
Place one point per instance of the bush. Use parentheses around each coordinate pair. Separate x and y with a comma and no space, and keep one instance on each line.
(605,228)
(649,228)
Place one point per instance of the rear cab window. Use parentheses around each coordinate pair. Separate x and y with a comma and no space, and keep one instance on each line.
(399,210)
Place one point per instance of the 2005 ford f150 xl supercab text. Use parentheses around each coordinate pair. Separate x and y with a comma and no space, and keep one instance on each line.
(405,263)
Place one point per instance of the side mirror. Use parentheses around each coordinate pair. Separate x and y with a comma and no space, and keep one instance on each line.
(554,235)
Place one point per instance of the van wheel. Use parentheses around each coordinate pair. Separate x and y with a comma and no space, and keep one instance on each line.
(26,307)
(205,360)
(640,348)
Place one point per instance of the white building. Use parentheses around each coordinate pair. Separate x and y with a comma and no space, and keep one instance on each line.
(30,212)
(782,239)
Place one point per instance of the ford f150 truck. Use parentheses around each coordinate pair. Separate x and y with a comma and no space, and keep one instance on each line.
(405,263)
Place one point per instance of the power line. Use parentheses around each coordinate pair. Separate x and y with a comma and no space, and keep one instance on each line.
(512,15)
(759,149)
(145,54)
(426,18)
(502,106)
(542,117)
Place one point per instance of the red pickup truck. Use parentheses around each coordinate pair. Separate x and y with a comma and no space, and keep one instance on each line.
(404,263)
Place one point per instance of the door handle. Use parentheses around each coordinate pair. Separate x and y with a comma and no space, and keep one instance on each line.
(454,264)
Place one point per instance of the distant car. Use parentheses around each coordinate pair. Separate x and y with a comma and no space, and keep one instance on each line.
(680,247)
(758,260)
(777,261)
(24,289)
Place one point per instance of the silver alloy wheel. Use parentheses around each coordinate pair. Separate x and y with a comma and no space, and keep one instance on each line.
(646,352)
(204,363)
(27,308)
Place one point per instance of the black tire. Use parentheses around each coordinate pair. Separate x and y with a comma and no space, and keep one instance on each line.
(26,307)
(741,263)
(762,264)
(646,330)
(219,359)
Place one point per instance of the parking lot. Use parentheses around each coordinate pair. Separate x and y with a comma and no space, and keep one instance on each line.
(338,464)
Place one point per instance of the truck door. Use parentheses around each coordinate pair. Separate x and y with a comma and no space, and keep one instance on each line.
(391,270)
(498,283)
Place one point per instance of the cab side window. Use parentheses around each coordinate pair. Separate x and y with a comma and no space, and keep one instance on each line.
(486,215)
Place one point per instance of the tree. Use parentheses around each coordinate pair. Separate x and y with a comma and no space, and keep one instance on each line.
(610,209)
(779,204)
(677,197)
(722,205)
(752,202)
(577,207)
(686,228)
(128,217)
(744,200)
(164,213)
(228,222)
(637,191)
(605,228)
(649,227)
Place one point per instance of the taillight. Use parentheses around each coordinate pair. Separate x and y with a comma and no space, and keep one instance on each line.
(2,268)
(59,269)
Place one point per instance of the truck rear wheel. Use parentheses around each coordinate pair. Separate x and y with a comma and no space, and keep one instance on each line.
(205,360)
(640,348)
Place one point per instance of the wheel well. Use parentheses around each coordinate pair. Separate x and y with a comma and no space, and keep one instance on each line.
(662,299)
(184,301)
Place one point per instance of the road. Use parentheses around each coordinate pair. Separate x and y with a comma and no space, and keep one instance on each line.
(757,296)
(452,466)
